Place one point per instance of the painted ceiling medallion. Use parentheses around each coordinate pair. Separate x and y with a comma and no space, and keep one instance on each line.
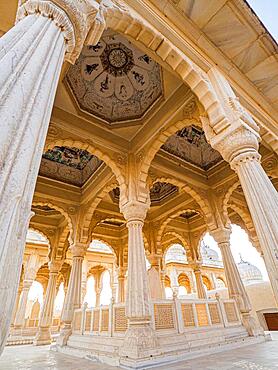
(114,80)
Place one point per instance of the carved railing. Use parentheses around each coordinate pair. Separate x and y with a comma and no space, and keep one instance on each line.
(173,316)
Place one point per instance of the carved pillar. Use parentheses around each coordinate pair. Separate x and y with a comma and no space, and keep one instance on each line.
(272,278)
(98,286)
(174,280)
(31,57)
(16,306)
(235,285)
(201,291)
(121,284)
(140,336)
(156,290)
(44,333)
(84,280)
(162,280)
(238,143)
(73,296)
(20,315)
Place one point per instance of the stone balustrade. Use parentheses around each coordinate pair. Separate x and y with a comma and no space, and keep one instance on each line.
(173,316)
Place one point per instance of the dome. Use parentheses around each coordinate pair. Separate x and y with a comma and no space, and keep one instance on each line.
(248,272)
(209,255)
(176,253)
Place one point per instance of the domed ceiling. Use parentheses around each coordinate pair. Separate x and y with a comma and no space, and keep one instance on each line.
(114,80)
(71,165)
(190,144)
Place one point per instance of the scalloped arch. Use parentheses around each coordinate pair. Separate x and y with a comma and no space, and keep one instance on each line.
(62,211)
(95,151)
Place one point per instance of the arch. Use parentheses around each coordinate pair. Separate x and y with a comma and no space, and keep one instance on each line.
(183,280)
(95,151)
(207,282)
(59,209)
(192,192)
(158,141)
(37,230)
(179,237)
(244,215)
(227,198)
(168,219)
(220,278)
(89,212)
(171,246)
(102,240)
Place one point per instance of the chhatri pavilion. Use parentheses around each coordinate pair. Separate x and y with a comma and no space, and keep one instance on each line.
(130,131)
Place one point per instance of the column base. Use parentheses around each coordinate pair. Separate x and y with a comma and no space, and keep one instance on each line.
(140,341)
(248,321)
(43,337)
(65,333)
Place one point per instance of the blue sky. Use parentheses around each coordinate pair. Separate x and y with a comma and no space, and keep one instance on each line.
(267,11)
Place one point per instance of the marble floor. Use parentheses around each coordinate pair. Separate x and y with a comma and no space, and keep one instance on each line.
(262,356)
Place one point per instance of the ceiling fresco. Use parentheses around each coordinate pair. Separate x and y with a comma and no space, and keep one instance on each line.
(191,145)
(159,192)
(71,165)
(114,80)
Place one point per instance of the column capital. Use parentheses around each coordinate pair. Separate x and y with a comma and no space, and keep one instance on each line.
(221,235)
(135,211)
(78,249)
(54,266)
(74,18)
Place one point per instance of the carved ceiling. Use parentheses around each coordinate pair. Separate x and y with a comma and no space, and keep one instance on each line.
(189,214)
(160,192)
(71,165)
(191,145)
(114,80)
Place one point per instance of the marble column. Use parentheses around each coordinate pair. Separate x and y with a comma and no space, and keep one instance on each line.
(200,287)
(73,296)
(20,314)
(174,280)
(140,337)
(16,303)
(31,57)
(121,284)
(84,280)
(272,278)
(46,316)
(238,143)
(235,285)
(156,290)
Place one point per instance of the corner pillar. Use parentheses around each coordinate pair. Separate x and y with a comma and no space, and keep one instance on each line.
(73,295)
(44,333)
(31,57)
(235,285)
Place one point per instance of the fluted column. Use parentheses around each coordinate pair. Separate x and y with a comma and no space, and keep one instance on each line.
(262,200)
(20,315)
(140,337)
(235,285)
(31,57)
(238,142)
(156,290)
(201,291)
(273,279)
(73,296)
(44,333)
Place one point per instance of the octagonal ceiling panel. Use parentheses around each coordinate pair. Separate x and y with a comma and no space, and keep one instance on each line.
(114,80)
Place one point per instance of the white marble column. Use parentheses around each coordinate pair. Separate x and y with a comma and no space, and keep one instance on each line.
(237,139)
(20,314)
(73,296)
(235,285)
(174,280)
(140,336)
(31,57)
(98,286)
(84,280)
(200,287)
(19,291)
(273,279)
(44,332)
(156,290)
(262,200)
